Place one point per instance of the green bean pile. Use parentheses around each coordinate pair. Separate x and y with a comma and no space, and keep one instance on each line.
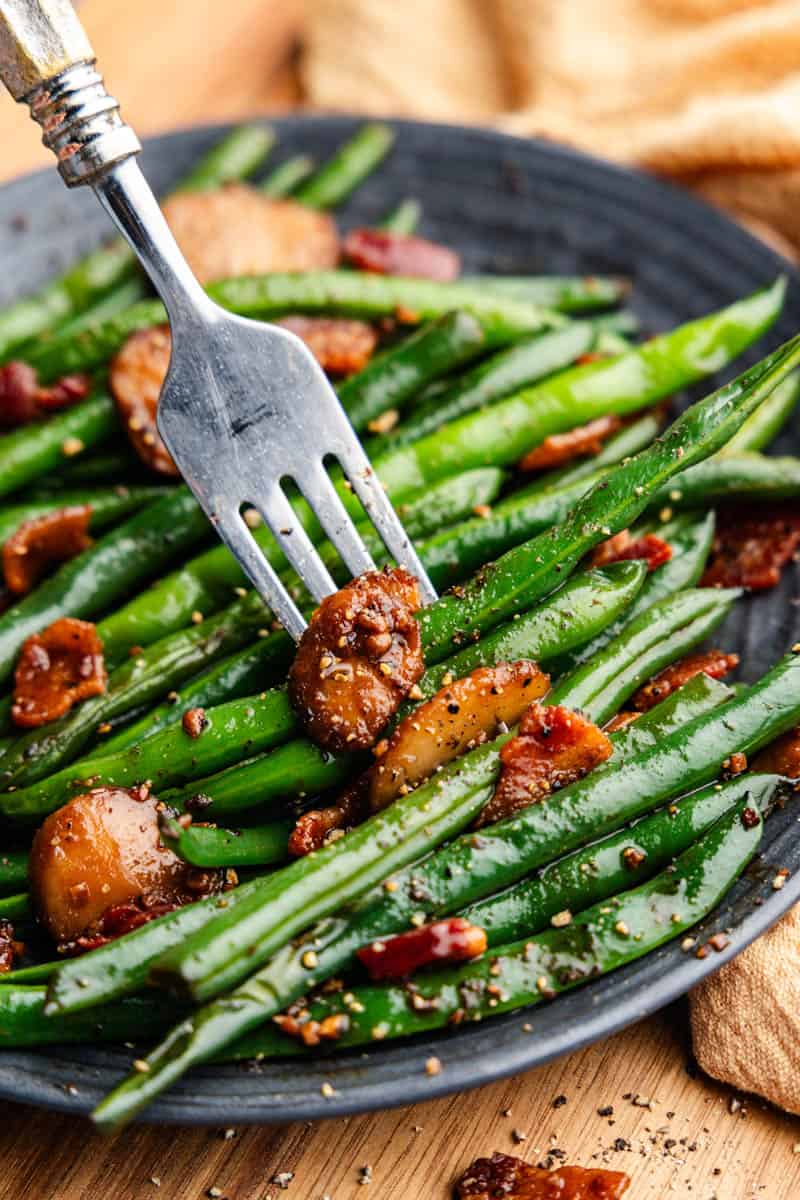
(493,368)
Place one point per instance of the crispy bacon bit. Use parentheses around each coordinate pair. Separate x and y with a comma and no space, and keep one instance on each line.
(54,537)
(621,720)
(554,747)
(388,253)
(750,550)
(236,230)
(452,940)
(56,669)
(460,716)
(781,757)
(23,400)
(10,948)
(137,373)
(622,547)
(194,721)
(735,765)
(358,659)
(311,1032)
(99,868)
(340,346)
(315,827)
(713,663)
(504,1177)
(582,442)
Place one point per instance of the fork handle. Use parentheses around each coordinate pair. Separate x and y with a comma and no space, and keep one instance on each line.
(46,60)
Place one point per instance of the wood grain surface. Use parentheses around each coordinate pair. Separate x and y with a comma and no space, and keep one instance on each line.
(174,63)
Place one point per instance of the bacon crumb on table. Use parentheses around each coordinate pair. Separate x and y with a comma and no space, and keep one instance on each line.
(622,547)
(451,940)
(340,346)
(553,748)
(357,660)
(582,442)
(750,549)
(55,537)
(387,253)
(56,669)
(22,399)
(504,1177)
(714,663)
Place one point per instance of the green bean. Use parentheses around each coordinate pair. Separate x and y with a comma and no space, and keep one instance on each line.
(283,180)
(499,375)
(740,477)
(108,505)
(264,297)
(349,167)
(392,377)
(104,975)
(766,422)
(13,870)
(114,460)
(583,603)
(234,157)
(92,581)
(36,973)
(111,265)
(208,846)
(116,301)
(23,1021)
(603,868)
(147,677)
(404,218)
(572,294)
(15,908)
(33,450)
(598,940)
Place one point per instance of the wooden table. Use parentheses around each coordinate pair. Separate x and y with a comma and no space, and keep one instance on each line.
(237,59)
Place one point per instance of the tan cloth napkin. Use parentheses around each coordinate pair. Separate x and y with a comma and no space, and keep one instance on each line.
(705,91)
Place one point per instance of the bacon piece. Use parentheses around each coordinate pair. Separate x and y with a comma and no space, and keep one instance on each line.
(387,253)
(136,375)
(358,658)
(10,948)
(554,747)
(620,720)
(582,442)
(750,549)
(504,1177)
(100,868)
(194,721)
(622,547)
(237,230)
(451,940)
(339,345)
(56,669)
(23,400)
(300,1025)
(314,828)
(460,716)
(714,663)
(781,756)
(54,537)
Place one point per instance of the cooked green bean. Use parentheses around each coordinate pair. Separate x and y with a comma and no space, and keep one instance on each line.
(33,450)
(208,846)
(404,218)
(13,871)
(283,180)
(349,167)
(237,155)
(108,505)
(571,294)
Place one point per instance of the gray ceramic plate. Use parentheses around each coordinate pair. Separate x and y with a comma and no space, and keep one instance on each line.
(508,206)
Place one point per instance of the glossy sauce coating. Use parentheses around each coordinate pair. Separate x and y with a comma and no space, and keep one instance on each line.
(236,230)
(553,748)
(102,850)
(56,669)
(38,544)
(358,658)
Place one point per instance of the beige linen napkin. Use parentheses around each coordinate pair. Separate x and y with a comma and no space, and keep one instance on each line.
(705,91)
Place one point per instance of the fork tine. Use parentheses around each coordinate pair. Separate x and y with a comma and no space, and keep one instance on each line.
(295,543)
(239,540)
(378,508)
(318,489)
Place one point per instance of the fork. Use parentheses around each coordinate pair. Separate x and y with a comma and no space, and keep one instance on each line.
(245,406)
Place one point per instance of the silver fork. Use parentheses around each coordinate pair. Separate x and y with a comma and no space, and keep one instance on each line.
(244,405)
